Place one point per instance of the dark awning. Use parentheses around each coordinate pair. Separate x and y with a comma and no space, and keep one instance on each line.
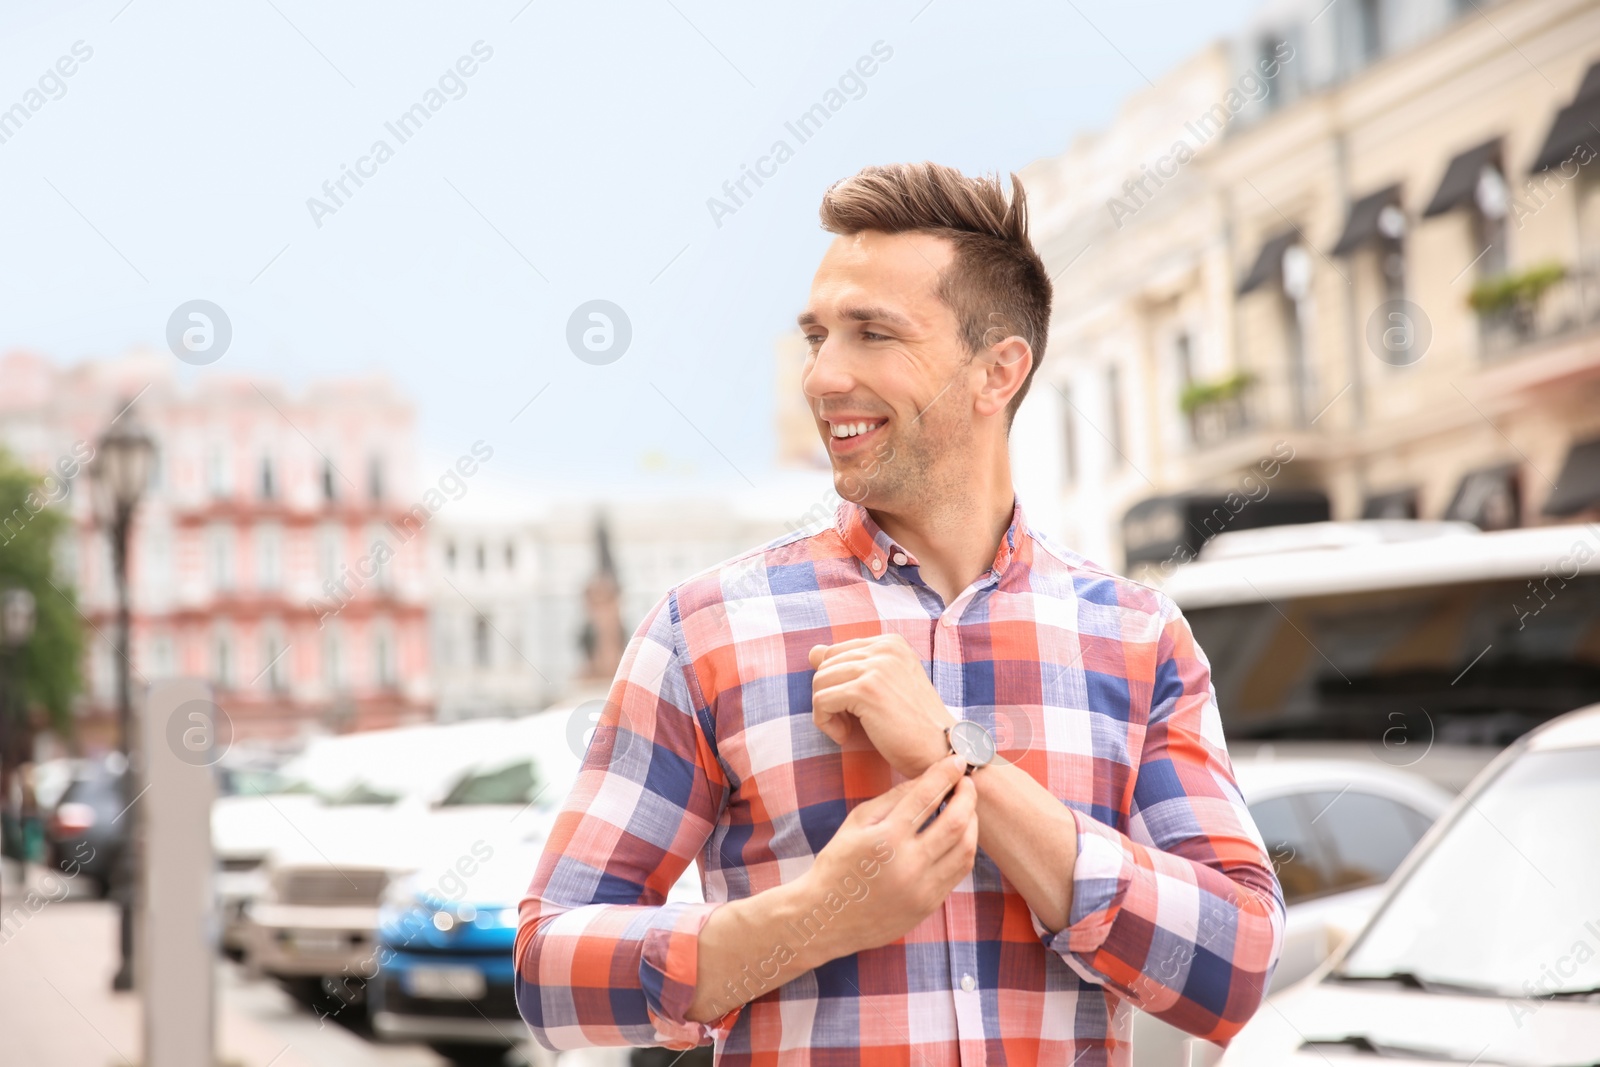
(1269,263)
(1575,124)
(1489,497)
(1174,528)
(1461,178)
(1578,487)
(1362,225)
(1396,504)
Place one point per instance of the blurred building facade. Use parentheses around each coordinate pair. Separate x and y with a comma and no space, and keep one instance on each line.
(253,559)
(1344,266)
(535,608)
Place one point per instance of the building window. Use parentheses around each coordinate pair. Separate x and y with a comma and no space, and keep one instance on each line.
(483,559)
(222,662)
(216,471)
(375,478)
(450,555)
(1296,308)
(379,559)
(1183,376)
(333,660)
(1114,427)
(480,642)
(511,556)
(329,492)
(1069,436)
(269,485)
(1391,249)
(328,553)
(269,556)
(383,656)
(1275,70)
(1369,30)
(1492,205)
(220,550)
(164,663)
(275,658)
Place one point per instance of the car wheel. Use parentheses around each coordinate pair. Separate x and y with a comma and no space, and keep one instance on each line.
(471,1055)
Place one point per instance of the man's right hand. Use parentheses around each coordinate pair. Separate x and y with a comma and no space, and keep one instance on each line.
(890,876)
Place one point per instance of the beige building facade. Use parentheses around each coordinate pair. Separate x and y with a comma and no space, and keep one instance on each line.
(1343,267)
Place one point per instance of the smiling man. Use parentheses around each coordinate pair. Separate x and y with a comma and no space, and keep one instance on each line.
(816,722)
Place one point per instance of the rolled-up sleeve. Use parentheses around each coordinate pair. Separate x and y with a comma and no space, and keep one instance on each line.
(601,958)
(1183,915)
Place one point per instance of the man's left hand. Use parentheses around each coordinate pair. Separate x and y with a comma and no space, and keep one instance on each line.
(878,685)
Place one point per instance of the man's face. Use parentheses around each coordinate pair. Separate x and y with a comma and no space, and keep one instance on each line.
(886,353)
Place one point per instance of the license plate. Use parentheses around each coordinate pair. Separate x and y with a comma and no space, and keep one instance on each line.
(445,983)
(319,942)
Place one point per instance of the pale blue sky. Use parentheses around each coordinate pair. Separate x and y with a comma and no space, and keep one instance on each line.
(577,164)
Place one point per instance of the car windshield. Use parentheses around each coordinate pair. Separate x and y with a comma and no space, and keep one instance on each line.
(514,783)
(1504,899)
(356,792)
(257,781)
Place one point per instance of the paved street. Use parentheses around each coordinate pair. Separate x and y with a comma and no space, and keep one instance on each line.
(55,978)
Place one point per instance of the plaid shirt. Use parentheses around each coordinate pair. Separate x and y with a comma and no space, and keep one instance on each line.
(706,751)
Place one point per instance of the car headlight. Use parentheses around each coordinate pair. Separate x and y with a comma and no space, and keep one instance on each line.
(401,892)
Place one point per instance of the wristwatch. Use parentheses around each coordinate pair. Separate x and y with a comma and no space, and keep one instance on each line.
(972,742)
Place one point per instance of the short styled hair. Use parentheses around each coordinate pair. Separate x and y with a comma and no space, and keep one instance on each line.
(996,281)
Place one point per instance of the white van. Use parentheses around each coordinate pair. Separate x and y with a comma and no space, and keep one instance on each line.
(1424,645)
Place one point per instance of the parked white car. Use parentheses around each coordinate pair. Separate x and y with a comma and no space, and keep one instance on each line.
(1336,830)
(1486,945)
(314,919)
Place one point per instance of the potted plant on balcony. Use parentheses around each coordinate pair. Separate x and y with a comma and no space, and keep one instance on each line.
(1514,298)
(1215,409)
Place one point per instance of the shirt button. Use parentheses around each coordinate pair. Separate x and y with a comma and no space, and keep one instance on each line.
(899,559)
(968,983)
(877,564)
(948,620)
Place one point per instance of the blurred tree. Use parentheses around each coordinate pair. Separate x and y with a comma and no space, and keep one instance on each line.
(49,664)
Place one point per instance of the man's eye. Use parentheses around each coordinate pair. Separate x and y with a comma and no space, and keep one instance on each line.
(813,339)
(869,335)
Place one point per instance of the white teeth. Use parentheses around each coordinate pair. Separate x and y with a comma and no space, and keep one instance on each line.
(851,429)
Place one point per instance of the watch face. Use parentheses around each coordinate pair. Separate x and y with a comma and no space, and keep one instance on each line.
(972,742)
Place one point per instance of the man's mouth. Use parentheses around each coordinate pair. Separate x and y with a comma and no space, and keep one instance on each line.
(850,435)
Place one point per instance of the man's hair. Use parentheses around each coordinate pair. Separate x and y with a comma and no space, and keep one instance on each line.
(997,285)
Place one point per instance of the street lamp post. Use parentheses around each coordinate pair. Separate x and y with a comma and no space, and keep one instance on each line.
(16,626)
(120,472)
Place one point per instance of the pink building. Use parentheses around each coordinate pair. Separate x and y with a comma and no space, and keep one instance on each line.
(280,550)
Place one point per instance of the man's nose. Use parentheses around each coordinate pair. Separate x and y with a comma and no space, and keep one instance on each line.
(828,371)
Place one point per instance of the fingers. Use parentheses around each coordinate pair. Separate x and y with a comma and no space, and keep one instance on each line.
(949,829)
(822,652)
(832,717)
(928,789)
(833,674)
(878,807)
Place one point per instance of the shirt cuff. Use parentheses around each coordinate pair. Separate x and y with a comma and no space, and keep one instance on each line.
(668,969)
(1100,878)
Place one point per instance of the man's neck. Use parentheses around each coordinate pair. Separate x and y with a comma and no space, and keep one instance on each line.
(954,539)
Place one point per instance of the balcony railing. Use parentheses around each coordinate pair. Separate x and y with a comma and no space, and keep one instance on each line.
(1222,410)
(1516,311)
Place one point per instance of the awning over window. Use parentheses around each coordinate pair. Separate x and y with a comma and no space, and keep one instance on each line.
(1362,225)
(1578,487)
(1575,124)
(1174,528)
(1489,498)
(1461,178)
(1398,504)
(1269,263)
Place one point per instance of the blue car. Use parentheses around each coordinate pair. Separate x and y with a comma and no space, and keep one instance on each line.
(445,973)
(442,970)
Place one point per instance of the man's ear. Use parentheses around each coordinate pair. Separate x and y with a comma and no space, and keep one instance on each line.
(1005,368)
